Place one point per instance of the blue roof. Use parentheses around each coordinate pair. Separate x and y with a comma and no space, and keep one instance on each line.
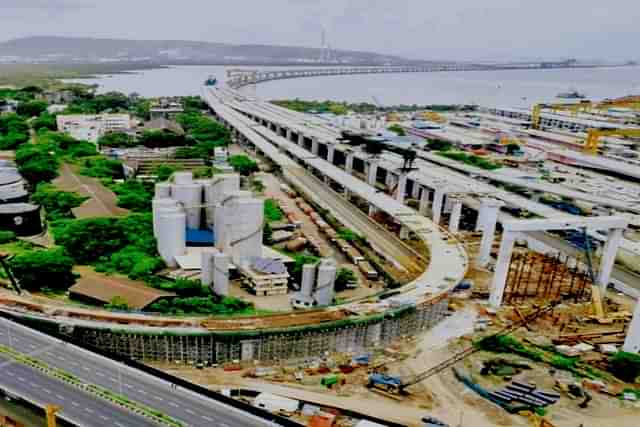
(200,237)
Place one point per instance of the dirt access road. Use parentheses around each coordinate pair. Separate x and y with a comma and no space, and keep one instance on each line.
(102,202)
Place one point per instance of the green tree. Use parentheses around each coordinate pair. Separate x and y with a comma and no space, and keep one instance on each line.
(344,277)
(267,234)
(31,108)
(7,236)
(87,240)
(397,129)
(625,366)
(47,268)
(45,121)
(57,204)
(163,172)
(243,164)
(117,139)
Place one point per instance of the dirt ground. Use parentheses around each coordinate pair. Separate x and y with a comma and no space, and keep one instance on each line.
(102,202)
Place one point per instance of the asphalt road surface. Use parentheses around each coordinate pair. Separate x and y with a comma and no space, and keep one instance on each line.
(77,406)
(185,406)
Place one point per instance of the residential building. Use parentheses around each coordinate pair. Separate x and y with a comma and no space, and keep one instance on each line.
(165,108)
(90,127)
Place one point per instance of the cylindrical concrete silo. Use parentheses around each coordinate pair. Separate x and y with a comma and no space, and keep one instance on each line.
(181,178)
(245,216)
(157,206)
(325,284)
(221,274)
(206,261)
(190,196)
(308,279)
(163,190)
(172,236)
(216,191)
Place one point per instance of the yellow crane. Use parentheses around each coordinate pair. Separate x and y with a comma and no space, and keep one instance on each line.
(594,135)
(574,108)
(51,411)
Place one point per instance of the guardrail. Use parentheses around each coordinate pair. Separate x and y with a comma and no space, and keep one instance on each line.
(195,388)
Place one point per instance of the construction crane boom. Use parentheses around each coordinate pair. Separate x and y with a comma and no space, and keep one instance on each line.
(594,135)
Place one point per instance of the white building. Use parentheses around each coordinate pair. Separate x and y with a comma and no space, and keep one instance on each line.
(90,127)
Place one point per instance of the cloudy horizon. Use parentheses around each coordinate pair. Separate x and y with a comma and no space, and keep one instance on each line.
(459,29)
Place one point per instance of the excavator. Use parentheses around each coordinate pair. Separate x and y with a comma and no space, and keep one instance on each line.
(395,385)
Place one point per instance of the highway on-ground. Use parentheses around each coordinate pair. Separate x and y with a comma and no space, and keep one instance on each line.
(185,406)
(78,407)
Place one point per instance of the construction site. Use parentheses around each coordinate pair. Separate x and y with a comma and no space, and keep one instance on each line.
(473,267)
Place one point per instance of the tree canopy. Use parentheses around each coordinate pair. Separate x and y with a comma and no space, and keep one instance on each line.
(243,164)
(43,268)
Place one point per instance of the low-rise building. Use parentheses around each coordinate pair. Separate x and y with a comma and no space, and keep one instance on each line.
(165,108)
(8,106)
(90,127)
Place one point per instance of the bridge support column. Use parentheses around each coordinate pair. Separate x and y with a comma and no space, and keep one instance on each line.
(456,213)
(372,173)
(404,233)
(331,151)
(438,200)
(609,257)
(632,342)
(314,146)
(424,200)
(349,163)
(402,188)
(502,268)
(372,210)
(301,139)
(491,207)
(415,191)
(289,135)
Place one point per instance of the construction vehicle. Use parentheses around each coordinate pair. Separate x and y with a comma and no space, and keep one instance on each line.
(396,385)
(4,262)
(51,411)
(593,137)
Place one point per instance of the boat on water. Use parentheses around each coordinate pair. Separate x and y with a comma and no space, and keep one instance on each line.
(572,94)
(211,81)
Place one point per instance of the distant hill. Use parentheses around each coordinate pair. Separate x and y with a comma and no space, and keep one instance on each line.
(64,50)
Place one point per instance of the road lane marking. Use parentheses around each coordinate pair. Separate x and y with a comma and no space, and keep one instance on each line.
(100,374)
(128,385)
(142,391)
(33,385)
(175,405)
(104,417)
(46,390)
(207,418)
(20,379)
(76,404)
(89,410)
(11,374)
(59,397)
(158,398)
(189,411)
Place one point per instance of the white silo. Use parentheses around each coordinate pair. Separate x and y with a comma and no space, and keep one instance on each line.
(244,218)
(308,279)
(221,274)
(172,236)
(163,190)
(206,266)
(216,190)
(181,178)
(190,196)
(325,284)
(159,205)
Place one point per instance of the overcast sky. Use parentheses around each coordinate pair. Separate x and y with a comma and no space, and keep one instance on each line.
(425,29)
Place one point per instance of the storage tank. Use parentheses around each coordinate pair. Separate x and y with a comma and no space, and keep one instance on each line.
(21,218)
(221,274)
(308,279)
(246,219)
(325,283)
(163,190)
(182,178)
(172,236)
(190,196)
(215,192)
(157,206)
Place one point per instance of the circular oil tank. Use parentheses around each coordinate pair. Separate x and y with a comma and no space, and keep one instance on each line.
(21,218)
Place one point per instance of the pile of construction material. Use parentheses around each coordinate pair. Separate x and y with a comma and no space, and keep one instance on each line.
(527,394)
